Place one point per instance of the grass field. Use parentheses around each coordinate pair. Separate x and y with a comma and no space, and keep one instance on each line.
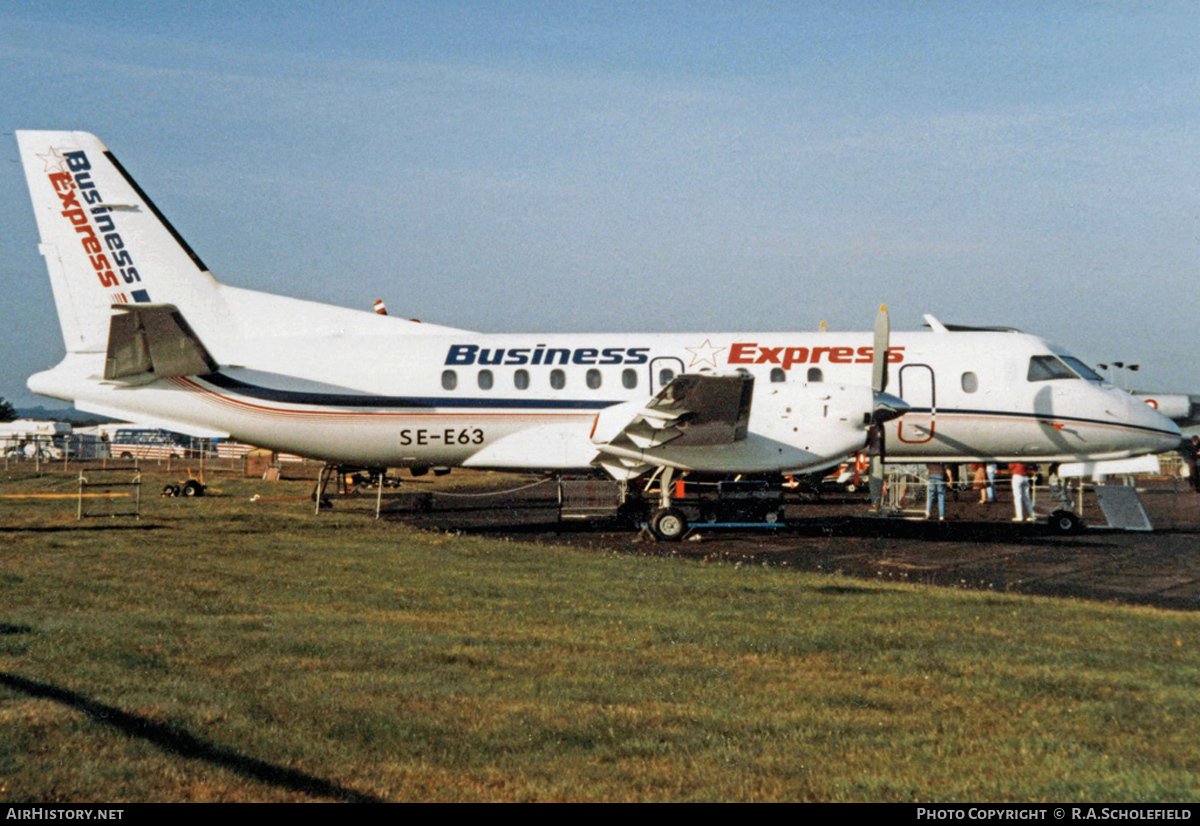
(223,650)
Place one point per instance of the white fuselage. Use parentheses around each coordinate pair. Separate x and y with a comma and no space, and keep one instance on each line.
(382,392)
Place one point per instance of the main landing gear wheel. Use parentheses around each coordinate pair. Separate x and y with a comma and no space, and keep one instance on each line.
(668,524)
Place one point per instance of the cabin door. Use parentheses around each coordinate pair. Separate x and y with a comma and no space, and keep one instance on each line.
(917,387)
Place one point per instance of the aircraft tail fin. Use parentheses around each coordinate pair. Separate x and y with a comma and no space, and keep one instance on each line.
(105,242)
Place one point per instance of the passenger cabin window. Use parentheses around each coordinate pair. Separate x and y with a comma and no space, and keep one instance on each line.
(593,379)
(664,376)
(558,379)
(970,382)
(629,378)
(777,375)
(1048,368)
(485,379)
(521,379)
(815,374)
(449,380)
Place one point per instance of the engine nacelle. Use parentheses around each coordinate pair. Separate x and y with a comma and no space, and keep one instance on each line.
(828,422)
(1182,410)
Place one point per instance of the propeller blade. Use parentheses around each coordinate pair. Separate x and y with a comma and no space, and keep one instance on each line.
(875,452)
(885,407)
(879,371)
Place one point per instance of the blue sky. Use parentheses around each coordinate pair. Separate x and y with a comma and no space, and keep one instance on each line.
(645,166)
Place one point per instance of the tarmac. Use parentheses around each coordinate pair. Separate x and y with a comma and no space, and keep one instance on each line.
(977,547)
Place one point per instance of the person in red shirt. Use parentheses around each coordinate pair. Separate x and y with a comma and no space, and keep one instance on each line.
(1022,479)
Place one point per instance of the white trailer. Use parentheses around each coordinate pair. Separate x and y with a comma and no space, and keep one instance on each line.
(32,439)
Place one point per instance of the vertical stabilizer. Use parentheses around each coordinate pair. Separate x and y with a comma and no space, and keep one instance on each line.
(105,242)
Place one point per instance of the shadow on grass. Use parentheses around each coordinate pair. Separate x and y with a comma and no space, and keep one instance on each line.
(533,521)
(847,590)
(74,527)
(177,741)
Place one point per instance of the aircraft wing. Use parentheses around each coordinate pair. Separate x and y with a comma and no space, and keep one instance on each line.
(693,410)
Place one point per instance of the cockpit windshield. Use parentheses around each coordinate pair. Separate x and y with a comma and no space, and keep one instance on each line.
(1085,372)
(1047,368)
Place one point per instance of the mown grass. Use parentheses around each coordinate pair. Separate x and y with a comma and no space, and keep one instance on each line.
(224,650)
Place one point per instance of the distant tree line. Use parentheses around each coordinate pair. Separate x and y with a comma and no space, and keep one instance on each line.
(7,412)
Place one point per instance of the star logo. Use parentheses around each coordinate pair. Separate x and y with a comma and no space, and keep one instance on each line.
(53,161)
(704,355)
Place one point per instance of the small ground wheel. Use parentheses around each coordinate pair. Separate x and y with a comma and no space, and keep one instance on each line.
(1064,521)
(668,524)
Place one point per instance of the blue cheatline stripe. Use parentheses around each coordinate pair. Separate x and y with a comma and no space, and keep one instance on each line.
(325,399)
(354,400)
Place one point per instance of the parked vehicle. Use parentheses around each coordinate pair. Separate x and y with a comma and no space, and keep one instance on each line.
(131,443)
(30,439)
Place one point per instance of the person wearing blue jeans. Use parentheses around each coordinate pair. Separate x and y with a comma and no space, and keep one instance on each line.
(936,490)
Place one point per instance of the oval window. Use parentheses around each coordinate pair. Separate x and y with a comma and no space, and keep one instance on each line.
(485,380)
(593,379)
(449,380)
(777,375)
(558,379)
(970,382)
(629,378)
(815,374)
(521,379)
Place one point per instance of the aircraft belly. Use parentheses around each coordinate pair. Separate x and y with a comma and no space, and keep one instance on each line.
(406,439)
(556,445)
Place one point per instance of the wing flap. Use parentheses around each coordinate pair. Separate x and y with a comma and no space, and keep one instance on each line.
(692,410)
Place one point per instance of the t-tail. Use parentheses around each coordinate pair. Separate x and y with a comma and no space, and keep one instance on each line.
(104,241)
(136,303)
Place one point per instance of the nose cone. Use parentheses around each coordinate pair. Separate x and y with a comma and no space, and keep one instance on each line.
(888,407)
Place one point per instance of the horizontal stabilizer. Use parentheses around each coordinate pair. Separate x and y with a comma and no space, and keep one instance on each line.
(153,341)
